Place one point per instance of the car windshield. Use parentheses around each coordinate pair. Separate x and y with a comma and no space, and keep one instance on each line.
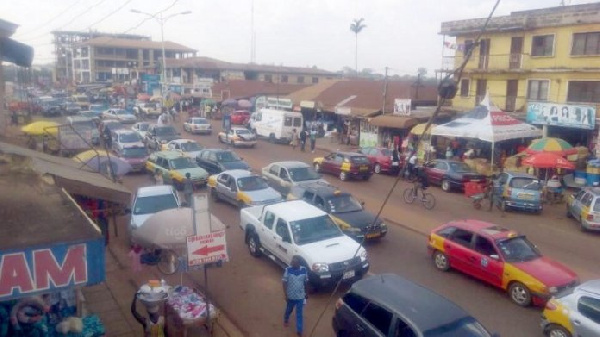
(314,229)
(252,183)
(242,132)
(129,137)
(166,131)
(97,108)
(517,249)
(134,152)
(199,121)
(359,160)
(464,327)
(227,157)
(344,203)
(181,163)
(154,204)
(143,127)
(459,167)
(526,184)
(303,174)
(190,146)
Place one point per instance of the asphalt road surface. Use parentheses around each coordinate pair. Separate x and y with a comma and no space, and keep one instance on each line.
(249,289)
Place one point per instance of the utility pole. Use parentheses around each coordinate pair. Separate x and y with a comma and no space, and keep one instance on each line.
(385,85)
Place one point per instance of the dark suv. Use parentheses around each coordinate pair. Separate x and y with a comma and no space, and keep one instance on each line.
(389,305)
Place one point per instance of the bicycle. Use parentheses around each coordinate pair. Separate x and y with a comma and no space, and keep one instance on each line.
(412,193)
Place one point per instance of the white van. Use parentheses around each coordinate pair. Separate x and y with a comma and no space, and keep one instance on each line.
(276,125)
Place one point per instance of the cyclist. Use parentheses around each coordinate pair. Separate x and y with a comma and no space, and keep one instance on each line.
(420,180)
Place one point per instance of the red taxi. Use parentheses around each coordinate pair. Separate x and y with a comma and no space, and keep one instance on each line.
(501,257)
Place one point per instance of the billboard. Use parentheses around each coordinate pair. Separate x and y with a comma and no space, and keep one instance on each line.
(567,115)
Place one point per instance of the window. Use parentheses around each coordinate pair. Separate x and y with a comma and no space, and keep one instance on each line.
(284,78)
(462,237)
(542,45)
(315,80)
(281,228)
(297,122)
(587,199)
(284,174)
(440,165)
(590,308)
(288,121)
(269,220)
(300,79)
(468,46)
(584,91)
(484,246)
(538,90)
(446,232)
(308,196)
(268,78)
(224,179)
(403,329)
(464,88)
(586,44)
(319,202)
(338,158)
(378,317)
(355,302)
(274,170)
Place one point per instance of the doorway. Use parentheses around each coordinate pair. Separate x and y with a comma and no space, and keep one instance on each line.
(512,89)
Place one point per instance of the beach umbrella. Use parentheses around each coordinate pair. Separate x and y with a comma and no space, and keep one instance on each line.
(100,160)
(551,144)
(547,160)
(244,103)
(40,128)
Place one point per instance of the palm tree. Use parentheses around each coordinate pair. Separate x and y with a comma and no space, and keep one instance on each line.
(357,26)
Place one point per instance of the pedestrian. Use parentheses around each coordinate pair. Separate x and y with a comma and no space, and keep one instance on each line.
(188,188)
(294,141)
(449,152)
(158,178)
(135,255)
(313,139)
(154,324)
(294,282)
(303,137)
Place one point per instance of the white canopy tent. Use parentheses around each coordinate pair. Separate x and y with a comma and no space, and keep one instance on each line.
(487,123)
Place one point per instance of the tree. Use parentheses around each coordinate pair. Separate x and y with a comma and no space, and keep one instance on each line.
(356,26)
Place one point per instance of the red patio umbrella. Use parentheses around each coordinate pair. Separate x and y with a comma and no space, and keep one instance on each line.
(547,160)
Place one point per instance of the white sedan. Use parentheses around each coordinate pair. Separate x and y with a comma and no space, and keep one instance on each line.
(187,147)
(197,125)
(238,137)
(120,115)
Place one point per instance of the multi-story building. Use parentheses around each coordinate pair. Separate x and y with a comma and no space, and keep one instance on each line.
(66,41)
(543,62)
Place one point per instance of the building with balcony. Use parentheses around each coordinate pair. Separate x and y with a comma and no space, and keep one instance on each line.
(544,63)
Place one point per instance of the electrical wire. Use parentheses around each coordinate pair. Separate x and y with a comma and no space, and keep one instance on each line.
(110,14)
(458,73)
(61,12)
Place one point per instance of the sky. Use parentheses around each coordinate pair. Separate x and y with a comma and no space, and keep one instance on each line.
(401,35)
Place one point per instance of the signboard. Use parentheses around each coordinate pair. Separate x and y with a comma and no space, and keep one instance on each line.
(207,248)
(274,103)
(57,267)
(567,115)
(402,107)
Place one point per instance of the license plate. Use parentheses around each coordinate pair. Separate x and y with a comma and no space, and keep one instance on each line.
(348,274)
(364,168)
(525,196)
(373,235)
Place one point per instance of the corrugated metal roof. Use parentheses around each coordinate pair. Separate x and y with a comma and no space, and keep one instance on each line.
(237,89)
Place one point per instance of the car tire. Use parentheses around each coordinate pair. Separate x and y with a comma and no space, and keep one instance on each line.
(440,261)
(519,294)
(254,244)
(343,176)
(446,185)
(582,227)
(377,168)
(317,167)
(555,330)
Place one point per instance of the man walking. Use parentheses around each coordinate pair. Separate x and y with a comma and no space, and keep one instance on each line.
(303,140)
(188,188)
(313,139)
(294,282)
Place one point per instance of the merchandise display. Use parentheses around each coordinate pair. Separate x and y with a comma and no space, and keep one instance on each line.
(189,304)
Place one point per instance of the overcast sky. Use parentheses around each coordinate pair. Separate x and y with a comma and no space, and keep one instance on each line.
(400,34)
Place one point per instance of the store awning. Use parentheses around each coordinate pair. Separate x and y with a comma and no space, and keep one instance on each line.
(418,129)
(394,122)
(69,175)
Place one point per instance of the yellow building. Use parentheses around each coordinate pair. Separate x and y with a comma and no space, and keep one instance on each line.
(537,63)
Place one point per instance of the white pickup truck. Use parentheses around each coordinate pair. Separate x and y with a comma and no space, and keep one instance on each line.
(290,228)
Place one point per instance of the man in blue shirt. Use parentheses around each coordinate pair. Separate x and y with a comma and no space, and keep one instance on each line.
(294,281)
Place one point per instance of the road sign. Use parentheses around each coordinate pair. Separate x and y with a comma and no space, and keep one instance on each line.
(207,248)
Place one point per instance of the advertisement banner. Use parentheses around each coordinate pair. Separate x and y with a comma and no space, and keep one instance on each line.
(568,115)
(402,107)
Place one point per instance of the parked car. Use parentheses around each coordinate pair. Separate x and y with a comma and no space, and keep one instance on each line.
(218,160)
(51,108)
(119,114)
(240,117)
(390,305)
(284,175)
(347,212)
(500,257)
(146,110)
(345,165)
(584,206)
(150,200)
(174,166)
(238,137)
(98,109)
(136,157)
(451,174)
(574,312)
(242,188)
(186,147)
(382,159)
(197,125)
(159,135)
(518,190)
(124,137)
(141,128)
(71,108)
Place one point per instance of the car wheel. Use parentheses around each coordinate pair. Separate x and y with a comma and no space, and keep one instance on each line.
(440,261)
(377,168)
(555,330)
(519,294)
(254,245)
(582,227)
(343,176)
(446,185)
(317,167)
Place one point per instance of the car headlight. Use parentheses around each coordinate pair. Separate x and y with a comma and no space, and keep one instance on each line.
(320,267)
(363,255)
(552,290)
(352,230)
(383,225)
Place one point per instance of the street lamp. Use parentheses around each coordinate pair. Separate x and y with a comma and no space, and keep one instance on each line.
(161,21)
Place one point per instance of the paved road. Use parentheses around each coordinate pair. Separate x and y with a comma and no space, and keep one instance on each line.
(249,290)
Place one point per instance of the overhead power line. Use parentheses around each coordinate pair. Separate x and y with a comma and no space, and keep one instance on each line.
(43,25)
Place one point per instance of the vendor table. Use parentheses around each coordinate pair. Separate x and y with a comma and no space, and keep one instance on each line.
(186,310)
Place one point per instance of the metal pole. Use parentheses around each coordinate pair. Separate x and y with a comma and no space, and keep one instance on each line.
(206,297)
(385,85)
(164,59)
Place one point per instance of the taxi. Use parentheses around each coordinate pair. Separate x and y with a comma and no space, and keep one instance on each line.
(174,166)
(575,312)
(242,188)
(345,165)
(500,257)
(584,206)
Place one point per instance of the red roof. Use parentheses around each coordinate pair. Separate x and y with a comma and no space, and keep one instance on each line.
(237,89)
